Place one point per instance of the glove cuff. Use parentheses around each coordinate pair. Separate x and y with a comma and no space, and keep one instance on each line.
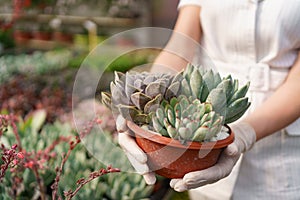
(245,136)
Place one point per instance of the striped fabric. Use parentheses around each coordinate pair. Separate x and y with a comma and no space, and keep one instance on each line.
(256,40)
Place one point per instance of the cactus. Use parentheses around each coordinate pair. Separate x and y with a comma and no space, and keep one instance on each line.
(187,119)
(135,95)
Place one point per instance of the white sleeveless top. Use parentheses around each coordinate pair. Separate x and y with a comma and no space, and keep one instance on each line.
(257,41)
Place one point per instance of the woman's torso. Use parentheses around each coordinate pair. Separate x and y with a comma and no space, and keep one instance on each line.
(258,41)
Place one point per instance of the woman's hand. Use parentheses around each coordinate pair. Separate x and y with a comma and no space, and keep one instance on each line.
(245,137)
(135,155)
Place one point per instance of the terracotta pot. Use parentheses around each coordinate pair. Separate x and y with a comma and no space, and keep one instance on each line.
(21,36)
(169,158)
(62,37)
(40,35)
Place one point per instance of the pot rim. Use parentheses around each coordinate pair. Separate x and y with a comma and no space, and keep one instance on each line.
(155,137)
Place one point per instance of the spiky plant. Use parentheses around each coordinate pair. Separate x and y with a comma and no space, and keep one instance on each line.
(224,94)
(187,119)
(135,95)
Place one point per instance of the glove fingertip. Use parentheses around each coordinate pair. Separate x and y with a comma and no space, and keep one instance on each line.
(180,186)
(150,178)
(173,182)
(121,124)
(141,157)
(232,150)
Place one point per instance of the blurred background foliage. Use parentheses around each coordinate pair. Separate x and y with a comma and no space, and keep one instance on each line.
(38,64)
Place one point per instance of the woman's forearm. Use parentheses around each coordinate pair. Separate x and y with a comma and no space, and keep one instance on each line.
(281,109)
(183,42)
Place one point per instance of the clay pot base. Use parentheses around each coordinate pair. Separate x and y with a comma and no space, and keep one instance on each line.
(169,158)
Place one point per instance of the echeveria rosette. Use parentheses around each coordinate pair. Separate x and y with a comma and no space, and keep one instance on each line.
(135,95)
(187,119)
(224,94)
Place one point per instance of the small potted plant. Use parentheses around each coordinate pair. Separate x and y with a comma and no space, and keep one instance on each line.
(179,121)
(42,33)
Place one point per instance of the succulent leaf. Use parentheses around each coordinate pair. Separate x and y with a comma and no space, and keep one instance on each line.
(217,98)
(106,99)
(239,93)
(141,119)
(209,80)
(217,78)
(172,131)
(172,90)
(140,99)
(236,108)
(152,105)
(153,89)
(188,71)
(237,115)
(160,115)
(185,133)
(196,83)
(171,116)
(128,111)
(157,125)
(185,88)
(200,134)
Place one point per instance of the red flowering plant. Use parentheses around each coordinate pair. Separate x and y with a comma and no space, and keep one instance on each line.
(30,152)
(48,161)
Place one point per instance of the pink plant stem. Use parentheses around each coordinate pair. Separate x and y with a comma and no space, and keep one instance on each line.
(59,171)
(94,175)
(11,119)
(15,130)
(40,183)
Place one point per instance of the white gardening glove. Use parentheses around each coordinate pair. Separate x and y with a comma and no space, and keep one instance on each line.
(245,137)
(135,155)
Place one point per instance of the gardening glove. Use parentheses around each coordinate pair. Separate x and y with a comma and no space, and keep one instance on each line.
(134,153)
(245,137)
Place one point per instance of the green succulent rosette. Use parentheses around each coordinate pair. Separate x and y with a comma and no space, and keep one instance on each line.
(224,94)
(187,119)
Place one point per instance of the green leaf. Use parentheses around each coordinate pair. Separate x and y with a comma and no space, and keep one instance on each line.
(171,116)
(237,115)
(200,134)
(139,99)
(153,105)
(172,90)
(239,93)
(208,79)
(172,131)
(38,119)
(185,133)
(196,83)
(160,115)
(217,98)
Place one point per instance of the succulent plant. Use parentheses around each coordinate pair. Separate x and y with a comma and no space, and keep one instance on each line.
(135,95)
(223,93)
(190,106)
(124,186)
(187,119)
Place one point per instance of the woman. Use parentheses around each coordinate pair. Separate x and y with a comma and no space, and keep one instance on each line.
(256,41)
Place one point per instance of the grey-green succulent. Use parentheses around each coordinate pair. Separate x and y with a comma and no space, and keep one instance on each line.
(224,94)
(135,95)
(187,119)
(190,106)
(124,186)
